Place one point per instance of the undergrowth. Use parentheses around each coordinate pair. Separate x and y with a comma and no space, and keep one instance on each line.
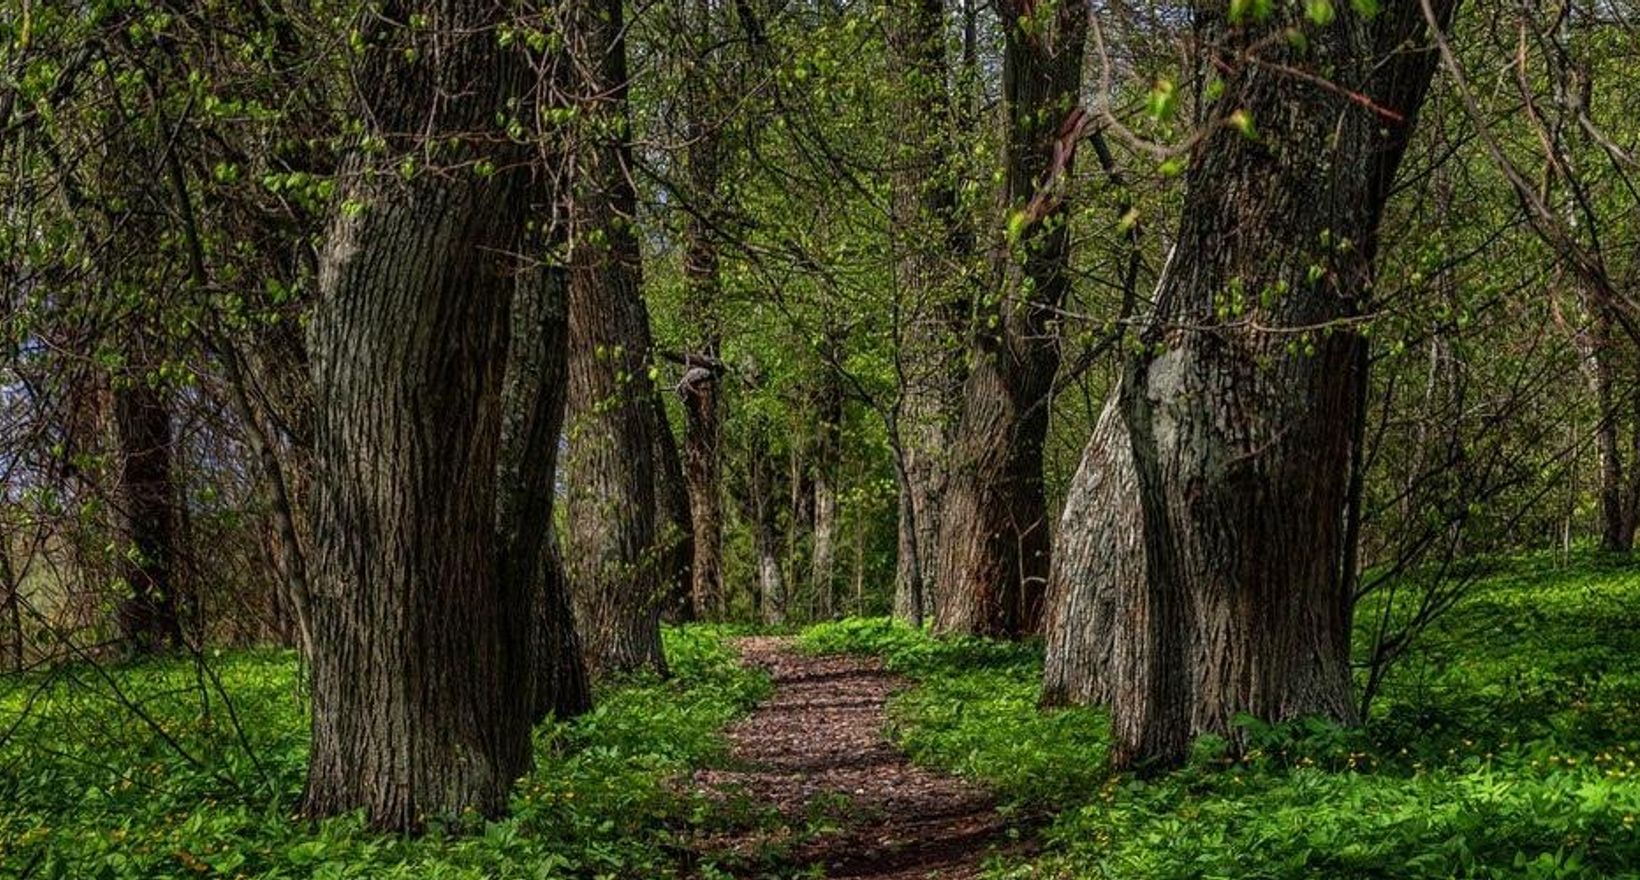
(89,789)
(1504,745)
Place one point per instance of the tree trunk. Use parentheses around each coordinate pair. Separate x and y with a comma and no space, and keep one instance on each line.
(1241,411)
(1601,367)
(419,638)
(993,545)
(932,246)
(771,578)
(1095,588)
(827,458)
(292,600)
(674,522)
(911,604)
(11,604)
(151,618)
(530,563)
(703,466)
(615,557)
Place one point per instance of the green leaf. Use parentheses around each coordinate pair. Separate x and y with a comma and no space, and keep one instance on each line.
(1163,100)
(1320,11)
(1257,10)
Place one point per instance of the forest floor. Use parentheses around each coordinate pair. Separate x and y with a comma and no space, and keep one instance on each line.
(850,802)
(1504,744)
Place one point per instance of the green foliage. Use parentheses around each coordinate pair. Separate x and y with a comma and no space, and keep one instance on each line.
(90,791)
(1504,745)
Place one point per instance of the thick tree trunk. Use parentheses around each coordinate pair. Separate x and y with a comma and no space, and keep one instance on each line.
(615,557)
(993,545)
(932,246)
(419,640)
(1242,410)
(152,617)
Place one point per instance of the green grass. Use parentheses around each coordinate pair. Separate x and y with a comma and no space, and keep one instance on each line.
(1505,745)
(89,790)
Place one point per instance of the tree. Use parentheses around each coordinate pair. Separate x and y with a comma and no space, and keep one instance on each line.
(530,563)
(614,547)
(993,539)
(931,245)
(1242,406)
(151,618)
(703,468)
(828,409)
(420,637)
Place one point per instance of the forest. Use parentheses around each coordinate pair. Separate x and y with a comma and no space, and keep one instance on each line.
(897,439)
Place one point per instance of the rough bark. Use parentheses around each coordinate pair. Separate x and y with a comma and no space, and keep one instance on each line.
(827,459)
(674,521)
(703,467)
(11,605)
(419,642)
(931,246)
(530,563)
(1095,586)
(1242,409)
(1602,365)
(771,578)
(993,539)
(152,616)
(615,557)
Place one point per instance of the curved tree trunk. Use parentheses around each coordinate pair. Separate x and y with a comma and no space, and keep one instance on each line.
(993,544)
(417,712)
(1242,434)
(615,557)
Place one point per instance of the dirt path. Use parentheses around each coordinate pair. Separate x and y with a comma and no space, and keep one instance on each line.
(816,751)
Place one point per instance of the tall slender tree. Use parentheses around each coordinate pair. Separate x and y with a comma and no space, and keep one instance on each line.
(828,409)
(615,549)
(931,249)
